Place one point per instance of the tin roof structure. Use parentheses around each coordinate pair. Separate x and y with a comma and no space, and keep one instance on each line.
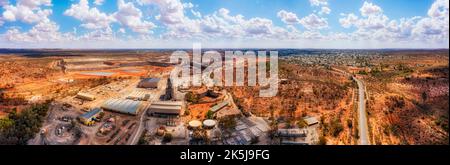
(123,106)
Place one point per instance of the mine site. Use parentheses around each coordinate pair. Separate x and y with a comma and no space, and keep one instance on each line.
(126,97)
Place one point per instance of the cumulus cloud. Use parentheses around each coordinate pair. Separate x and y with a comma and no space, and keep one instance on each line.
(196,13)
(318,2)
(28,11)
(98,2)
(288,17)
(370,9)
(4,2)
(325,10)
(374,25)
(105,34)
(91,18)
(435,26)
(188,5)
(130,16)
(349,20)
(368,24)
(171,11)
(45,31)
(314,22)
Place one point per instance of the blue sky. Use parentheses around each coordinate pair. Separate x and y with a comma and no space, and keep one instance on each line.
(224,23)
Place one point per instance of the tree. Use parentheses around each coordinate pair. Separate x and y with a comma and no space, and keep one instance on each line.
(349,123)
(191,97)
(5,123)
(301,123)
(167,137)
(228,122)
(424,97)
(209,114)
(322,140)
(24,125)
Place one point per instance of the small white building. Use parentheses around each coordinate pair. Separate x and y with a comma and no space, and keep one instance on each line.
(85,96)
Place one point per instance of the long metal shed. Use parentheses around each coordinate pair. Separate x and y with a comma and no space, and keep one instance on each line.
(165,108)
(219,106)
(123,106)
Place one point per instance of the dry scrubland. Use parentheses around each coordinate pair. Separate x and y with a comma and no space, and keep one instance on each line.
(408,98)
(306,91)
(407,92)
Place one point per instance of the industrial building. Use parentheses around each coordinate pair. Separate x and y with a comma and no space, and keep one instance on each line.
(85,96)
(209,124)
(165,108)
(195,124)
(90,117)
(149,83)
(310,121)
(139,95)
(295,132)
(219,106)
(123,106)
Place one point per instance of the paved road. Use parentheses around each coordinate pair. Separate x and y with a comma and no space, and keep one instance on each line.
(363,129)
(362,121)
(155,97)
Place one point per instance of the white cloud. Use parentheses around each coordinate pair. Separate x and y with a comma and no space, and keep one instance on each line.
(370,24)
(171,11)
(188,5)
(98,2)
(130,16)
(439,9)
(122,30)
(313,22)
(196,13)
(349,20)
(4,2)
(92,18)
(28,11)
(370,9)
(318,2)
(435,27)
(374,25)
(105,34)
(258,26)
(325,10)
(288,17)
(45,31)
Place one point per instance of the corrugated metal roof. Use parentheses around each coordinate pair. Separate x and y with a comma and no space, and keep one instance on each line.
(311,120)
(151,80)
(165,107)
(122,106)
(292,132)
(91,113)
(219,106)
(168,103)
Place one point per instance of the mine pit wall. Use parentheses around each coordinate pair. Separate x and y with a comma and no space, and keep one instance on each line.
(71,66)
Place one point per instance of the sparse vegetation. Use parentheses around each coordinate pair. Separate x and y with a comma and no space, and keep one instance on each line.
(18,128)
